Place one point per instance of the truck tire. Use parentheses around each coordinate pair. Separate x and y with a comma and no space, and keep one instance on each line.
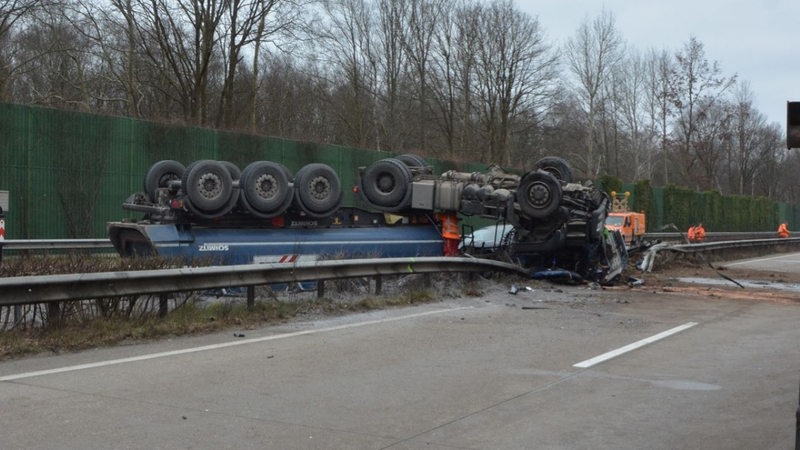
(539,194)
(415,162)
(208,187)
(159,175)
(386,184)
(558,167)
(317,190)
(266,189)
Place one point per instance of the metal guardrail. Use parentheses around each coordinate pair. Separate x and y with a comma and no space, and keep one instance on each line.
(720,245)
(54,288)
(55,244)
(713,236)
(105,243)
(650,255)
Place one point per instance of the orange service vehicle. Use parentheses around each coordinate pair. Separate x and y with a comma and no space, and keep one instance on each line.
(630,224)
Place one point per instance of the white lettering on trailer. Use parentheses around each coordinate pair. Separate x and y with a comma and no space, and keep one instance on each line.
(303,223)
(207,247)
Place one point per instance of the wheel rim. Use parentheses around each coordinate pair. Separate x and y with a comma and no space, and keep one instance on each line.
(385,183)
(539,195)
(267,186)
(319,188)
(209,186)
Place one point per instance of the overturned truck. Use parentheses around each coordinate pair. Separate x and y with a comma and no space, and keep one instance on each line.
(264,213)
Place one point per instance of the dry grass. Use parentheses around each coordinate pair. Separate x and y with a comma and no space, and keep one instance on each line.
(80,325)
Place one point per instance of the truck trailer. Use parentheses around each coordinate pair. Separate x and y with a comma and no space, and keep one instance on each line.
(264,213)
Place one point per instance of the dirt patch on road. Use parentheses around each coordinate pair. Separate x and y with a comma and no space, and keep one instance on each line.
(692,275)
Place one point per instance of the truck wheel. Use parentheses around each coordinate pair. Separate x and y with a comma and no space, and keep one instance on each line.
(414,161)
(265,188)
(208,186)
(556,166)
(539,194)
(317,190)
(159,175)
(387,184)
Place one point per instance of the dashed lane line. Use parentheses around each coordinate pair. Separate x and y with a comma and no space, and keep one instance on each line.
(204,348)
(631,347)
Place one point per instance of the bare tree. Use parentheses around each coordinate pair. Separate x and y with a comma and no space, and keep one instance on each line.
(696,86)
(514,73)
(631,79)
(248,25)
(60,67)
(659,104)
(711,128)
(180,40)
(349,49)
(418,41)
(12,14)
(752,144)
(455,61)
(391,62)
(591,54)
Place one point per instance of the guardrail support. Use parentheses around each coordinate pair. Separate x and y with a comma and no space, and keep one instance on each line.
(378,284)
(251,297)
(163,304)
(320,288)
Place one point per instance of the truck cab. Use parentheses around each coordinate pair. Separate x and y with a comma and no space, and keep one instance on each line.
(631,225)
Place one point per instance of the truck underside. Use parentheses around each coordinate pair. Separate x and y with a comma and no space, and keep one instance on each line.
(265,214)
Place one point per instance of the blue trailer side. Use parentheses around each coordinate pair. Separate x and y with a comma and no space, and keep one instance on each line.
(222,245)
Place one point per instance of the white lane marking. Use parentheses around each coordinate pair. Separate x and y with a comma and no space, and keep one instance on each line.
(746,261)
(219,346)
(630,347)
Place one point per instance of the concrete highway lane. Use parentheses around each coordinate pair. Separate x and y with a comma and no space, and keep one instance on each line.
(549,368)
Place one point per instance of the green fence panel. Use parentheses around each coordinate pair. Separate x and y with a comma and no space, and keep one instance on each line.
(68,173)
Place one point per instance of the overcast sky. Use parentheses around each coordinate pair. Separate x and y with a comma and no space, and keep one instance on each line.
(758,40)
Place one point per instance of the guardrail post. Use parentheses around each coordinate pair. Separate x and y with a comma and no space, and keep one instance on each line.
(163,304)
(251,297)
(53,314)
(320,288)
(378,284)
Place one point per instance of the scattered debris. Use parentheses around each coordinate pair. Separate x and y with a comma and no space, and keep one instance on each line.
(633,282)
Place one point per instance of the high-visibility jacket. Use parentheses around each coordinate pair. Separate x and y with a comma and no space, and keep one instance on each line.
(691,233)
(449,226)
(783,230)
(699,233)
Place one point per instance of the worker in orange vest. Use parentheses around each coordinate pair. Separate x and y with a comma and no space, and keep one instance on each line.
(699,233)
(783,230)
(450,233)
(696,233)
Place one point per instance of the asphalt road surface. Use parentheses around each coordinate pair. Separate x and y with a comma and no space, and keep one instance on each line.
(547,368)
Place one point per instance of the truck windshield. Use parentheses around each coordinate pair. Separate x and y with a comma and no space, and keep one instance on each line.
(614,221)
